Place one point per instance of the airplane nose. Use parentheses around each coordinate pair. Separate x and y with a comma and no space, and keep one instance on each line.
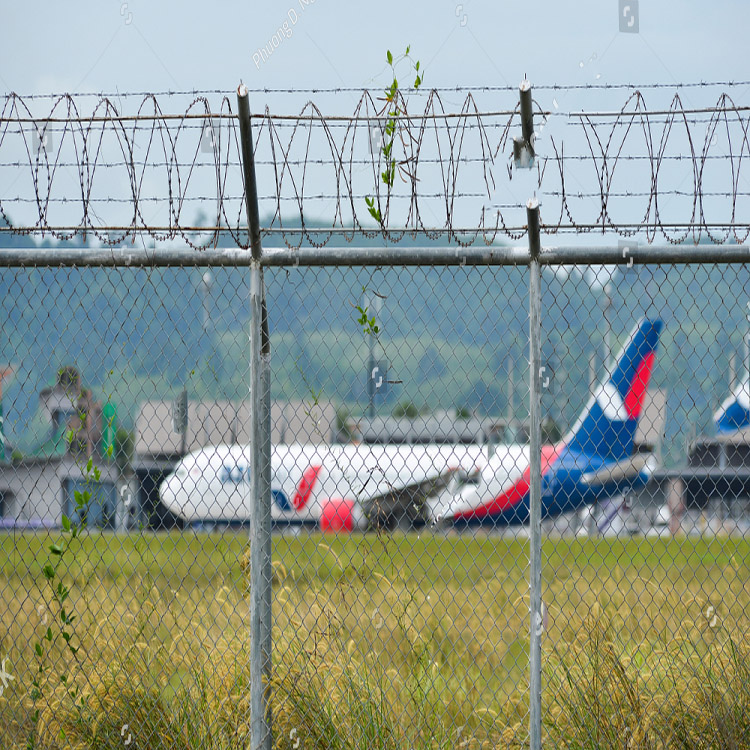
(168,492)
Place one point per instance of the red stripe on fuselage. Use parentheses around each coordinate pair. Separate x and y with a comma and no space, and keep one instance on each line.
(302,495)
(635,396)
(514,494)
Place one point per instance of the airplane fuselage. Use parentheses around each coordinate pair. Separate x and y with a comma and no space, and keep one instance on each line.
(213,485)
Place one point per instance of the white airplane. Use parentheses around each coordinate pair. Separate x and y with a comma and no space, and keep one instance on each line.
(347,487)
(338,487)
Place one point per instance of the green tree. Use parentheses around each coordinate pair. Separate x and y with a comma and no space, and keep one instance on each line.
(405,409)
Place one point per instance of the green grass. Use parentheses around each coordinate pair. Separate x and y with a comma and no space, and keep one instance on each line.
(398,641)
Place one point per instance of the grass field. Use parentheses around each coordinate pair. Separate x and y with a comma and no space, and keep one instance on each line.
(397,641)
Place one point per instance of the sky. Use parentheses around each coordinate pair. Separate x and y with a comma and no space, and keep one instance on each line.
(121,47)
(109,45)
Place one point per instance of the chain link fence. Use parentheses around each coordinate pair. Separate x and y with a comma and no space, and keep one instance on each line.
(358,492)
(400,501)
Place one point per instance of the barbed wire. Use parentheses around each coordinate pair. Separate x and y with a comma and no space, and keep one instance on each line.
(642,86)
(674,172)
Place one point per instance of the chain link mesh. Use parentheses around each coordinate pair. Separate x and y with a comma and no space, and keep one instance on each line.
(400,401)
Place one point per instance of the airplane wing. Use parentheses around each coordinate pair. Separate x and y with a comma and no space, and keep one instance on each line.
(392,505)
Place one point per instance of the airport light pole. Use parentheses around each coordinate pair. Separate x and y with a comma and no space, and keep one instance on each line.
(371,366)
(510,418)
(4,373)
(608,327)
(207,281)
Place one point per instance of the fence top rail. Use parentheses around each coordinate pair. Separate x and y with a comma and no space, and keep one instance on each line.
(369,256)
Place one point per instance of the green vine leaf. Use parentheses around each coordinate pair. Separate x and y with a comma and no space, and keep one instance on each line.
(60,592)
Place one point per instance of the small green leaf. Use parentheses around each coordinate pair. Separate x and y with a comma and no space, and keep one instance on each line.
(417,82)
(38,649)
(49,572)
(89,464)
(65,523)
(389,57)
(55,549)
(407,49)
(48,634)
(416,67)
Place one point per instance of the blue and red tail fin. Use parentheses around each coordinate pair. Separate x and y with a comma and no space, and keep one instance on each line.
(734,413)
(608,424)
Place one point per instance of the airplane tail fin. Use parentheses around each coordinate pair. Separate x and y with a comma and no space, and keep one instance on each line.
(734,413)
(607,426)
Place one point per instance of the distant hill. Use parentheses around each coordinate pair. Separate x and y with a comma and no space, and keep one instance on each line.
(447,334)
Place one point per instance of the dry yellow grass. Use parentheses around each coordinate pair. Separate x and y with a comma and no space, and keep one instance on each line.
(390,642)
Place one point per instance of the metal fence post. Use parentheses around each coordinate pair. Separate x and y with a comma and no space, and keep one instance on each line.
(260,462)
(523,147)
(535,498)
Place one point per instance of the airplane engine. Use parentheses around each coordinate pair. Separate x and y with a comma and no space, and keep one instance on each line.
(338,515)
